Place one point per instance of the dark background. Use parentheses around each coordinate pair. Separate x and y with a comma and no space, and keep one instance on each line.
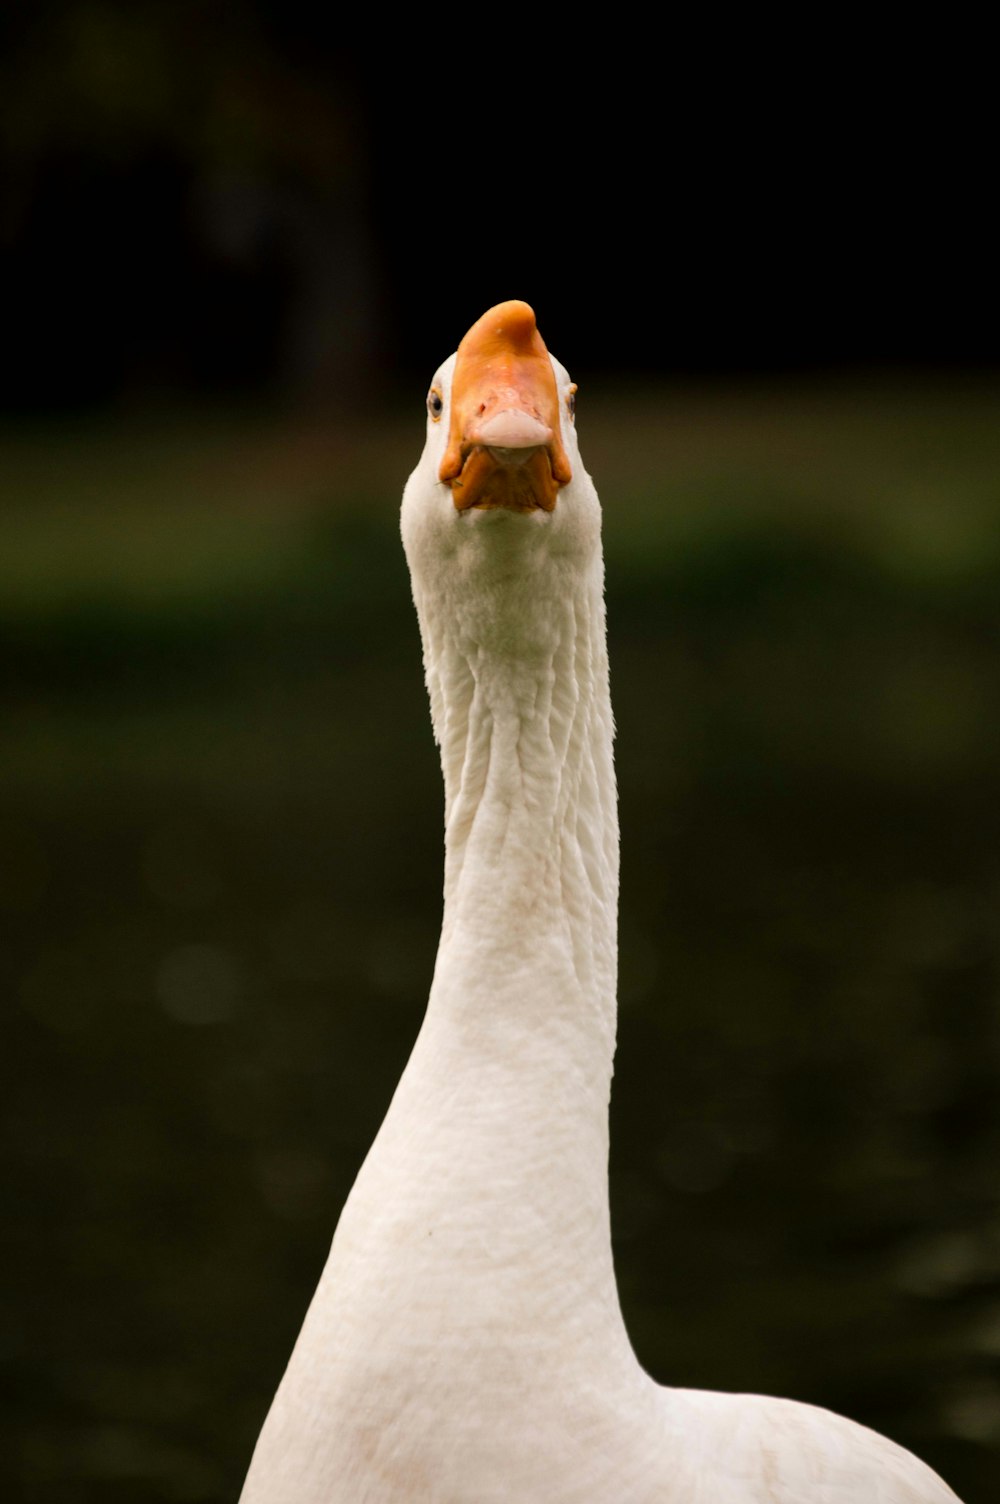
(220,197)
(235,241)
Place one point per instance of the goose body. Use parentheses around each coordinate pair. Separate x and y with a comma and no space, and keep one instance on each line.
(465,1344)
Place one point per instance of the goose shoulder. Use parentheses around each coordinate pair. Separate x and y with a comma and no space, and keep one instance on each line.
(768,1450)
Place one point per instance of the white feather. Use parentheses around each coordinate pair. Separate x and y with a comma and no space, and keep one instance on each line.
(465,1343)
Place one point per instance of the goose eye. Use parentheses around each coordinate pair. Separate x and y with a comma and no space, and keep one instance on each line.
(571,403)
(435,403)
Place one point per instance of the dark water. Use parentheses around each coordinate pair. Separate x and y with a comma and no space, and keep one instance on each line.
(220,828)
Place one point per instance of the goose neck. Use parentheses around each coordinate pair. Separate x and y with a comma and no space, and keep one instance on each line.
(522,713)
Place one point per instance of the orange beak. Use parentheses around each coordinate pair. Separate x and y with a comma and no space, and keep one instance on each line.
(505,444)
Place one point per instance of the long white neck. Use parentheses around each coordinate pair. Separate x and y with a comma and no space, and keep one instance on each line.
(501,1117)
(518,680)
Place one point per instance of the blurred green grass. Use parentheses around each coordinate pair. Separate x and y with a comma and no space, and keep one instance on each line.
(196,548)
(220,829)
(175,511)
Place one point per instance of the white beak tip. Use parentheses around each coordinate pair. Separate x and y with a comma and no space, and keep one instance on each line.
(511,428)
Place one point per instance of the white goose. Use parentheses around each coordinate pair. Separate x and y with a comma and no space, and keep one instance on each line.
(465,1344)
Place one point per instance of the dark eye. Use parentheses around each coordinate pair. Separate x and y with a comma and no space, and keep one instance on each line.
(571,402)
(435,403)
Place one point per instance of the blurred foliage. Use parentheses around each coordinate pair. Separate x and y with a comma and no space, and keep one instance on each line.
(253,196)
(181,206)
(211,82)
(221,832)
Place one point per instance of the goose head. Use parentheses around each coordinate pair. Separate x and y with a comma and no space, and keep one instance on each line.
(500,500)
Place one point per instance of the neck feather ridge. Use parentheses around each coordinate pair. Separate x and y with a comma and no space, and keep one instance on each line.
(521,709)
